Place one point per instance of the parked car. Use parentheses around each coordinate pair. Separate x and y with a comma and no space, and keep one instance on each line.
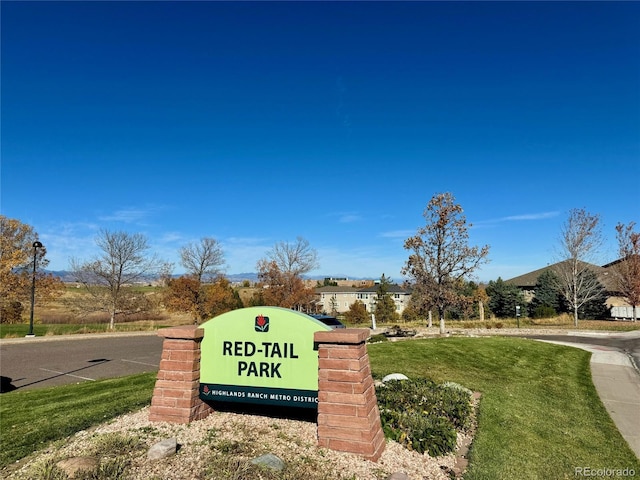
(328,320)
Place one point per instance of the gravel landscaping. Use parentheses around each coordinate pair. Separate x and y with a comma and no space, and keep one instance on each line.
(243,436)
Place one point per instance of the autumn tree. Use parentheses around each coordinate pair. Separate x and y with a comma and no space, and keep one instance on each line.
(201,301)
(440,255)
(580,239)
(281,273)
(221,297)
(203,262)
(109,277)
(471,297)
(184,294)
(357,313)
(16,270)
(627,269)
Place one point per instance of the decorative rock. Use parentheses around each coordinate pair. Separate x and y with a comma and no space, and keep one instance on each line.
(162,449)
(72,466)
(398,476)
(269,460)
(394,376)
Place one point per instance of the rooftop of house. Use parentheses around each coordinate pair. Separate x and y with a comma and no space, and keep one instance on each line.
(529,280)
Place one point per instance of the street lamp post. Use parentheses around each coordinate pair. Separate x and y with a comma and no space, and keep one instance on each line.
(36,246)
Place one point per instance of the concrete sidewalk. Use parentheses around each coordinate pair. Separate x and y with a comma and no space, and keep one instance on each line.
(618,384)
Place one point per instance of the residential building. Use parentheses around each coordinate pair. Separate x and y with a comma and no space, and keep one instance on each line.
(527,283)
(339,299)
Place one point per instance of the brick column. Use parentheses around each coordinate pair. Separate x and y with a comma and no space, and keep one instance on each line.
(348,415)
(176,394)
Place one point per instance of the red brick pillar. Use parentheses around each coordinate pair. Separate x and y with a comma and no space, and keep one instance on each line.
(176,396)
(348,416)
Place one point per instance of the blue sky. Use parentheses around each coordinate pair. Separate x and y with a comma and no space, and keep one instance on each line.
(255,123)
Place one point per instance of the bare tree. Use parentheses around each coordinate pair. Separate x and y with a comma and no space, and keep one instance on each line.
(580,240)
(441,256)
(122,263)
(282,270)
(204,260)
(295,258)
(627,269)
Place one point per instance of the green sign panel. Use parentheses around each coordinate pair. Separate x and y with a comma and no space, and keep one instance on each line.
(260,355)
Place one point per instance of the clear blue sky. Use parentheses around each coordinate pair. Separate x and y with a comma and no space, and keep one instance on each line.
(255,123)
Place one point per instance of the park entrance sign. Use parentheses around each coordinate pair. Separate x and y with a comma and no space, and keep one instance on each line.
(261,355)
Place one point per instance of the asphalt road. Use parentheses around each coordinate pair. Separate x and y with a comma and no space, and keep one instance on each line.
(50,361)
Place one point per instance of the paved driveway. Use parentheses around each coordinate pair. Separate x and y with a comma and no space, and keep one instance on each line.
(49,361)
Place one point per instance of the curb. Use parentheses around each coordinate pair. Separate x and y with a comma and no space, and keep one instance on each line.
(75,336)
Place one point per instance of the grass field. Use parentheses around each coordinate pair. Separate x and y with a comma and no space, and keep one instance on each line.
(539,417)
(32,419)
(20,330)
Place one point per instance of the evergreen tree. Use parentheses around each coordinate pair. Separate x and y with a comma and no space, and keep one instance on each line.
(503,299)
(548,298)
(385,306)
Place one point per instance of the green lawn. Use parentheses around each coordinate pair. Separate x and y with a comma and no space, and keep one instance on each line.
(540,416)
(32,419)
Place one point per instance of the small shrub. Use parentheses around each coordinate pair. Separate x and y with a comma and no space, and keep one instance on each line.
(377,338)
(543,311)
(357,313)
(410,315)
(499,325)
(423,415)
(422,433)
